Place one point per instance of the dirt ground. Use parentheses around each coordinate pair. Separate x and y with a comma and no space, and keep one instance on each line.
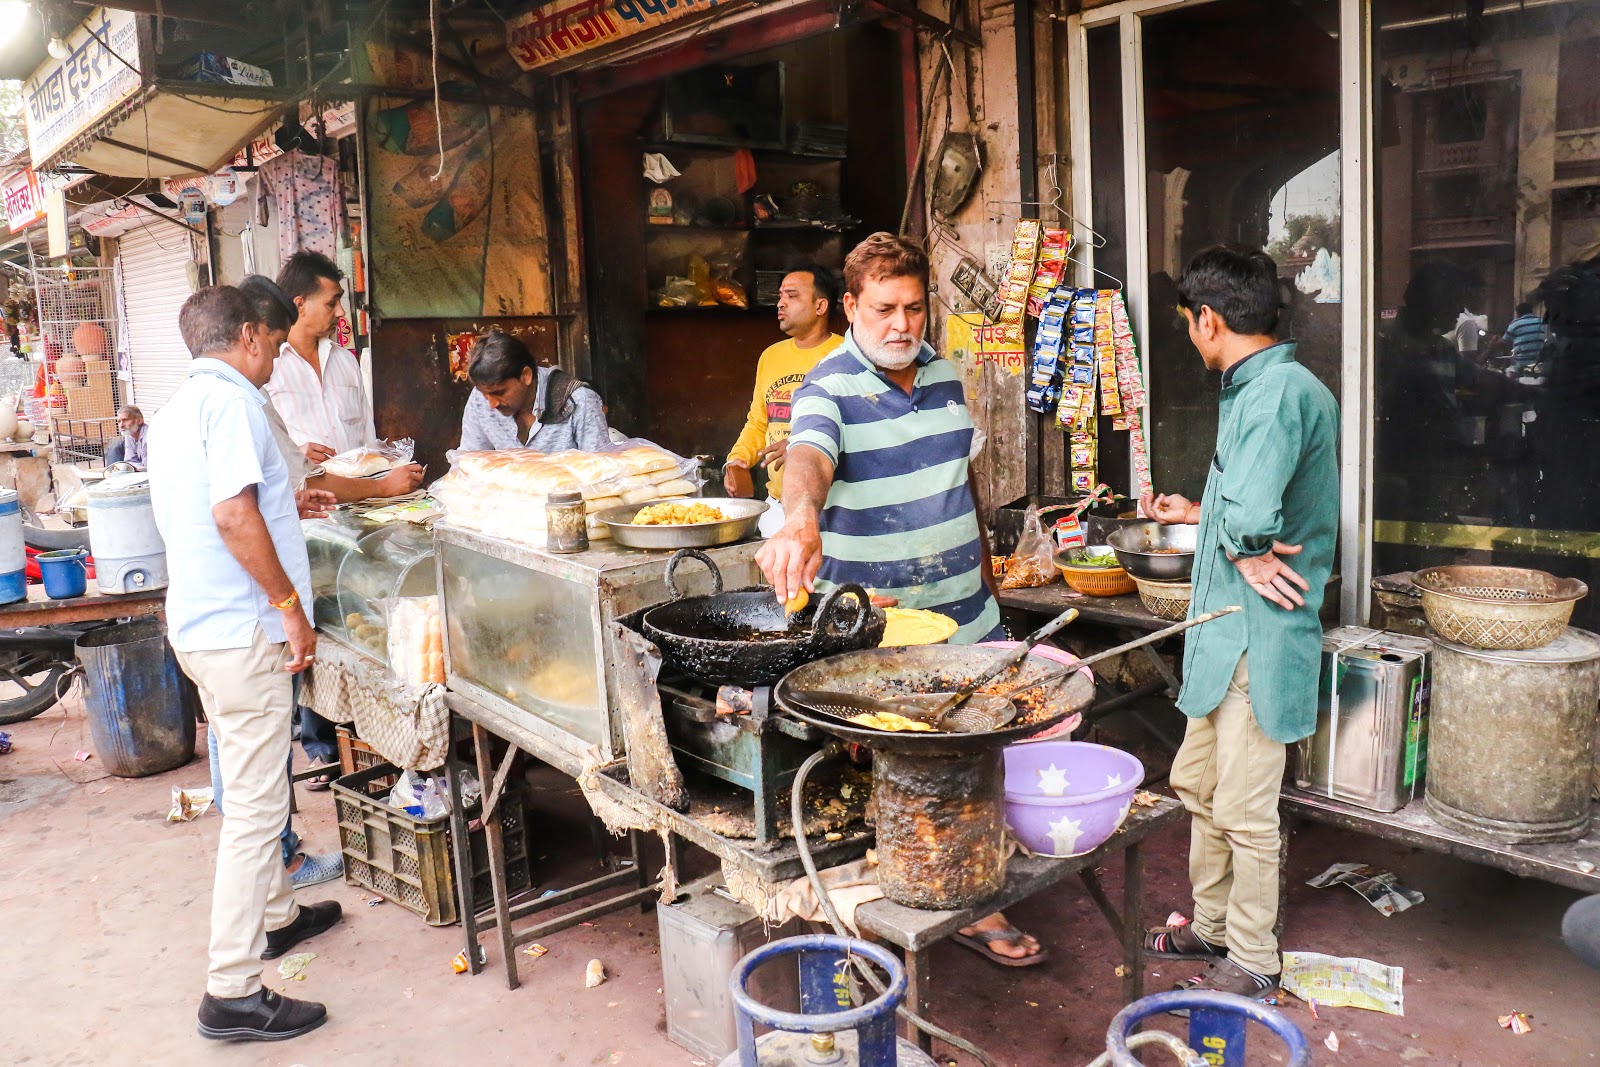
(105,910)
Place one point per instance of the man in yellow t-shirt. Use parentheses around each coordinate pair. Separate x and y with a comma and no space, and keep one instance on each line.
(805,300)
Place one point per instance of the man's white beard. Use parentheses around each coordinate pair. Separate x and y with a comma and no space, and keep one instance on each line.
(887,358)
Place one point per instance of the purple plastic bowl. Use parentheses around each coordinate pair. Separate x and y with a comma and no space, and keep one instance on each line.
(1066,798)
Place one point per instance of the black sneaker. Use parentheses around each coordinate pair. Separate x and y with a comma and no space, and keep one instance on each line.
(312,920)
(262,1016)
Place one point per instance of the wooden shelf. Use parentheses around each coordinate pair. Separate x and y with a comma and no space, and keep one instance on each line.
(772,155)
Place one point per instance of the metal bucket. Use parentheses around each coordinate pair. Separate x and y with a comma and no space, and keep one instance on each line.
(142,709)
(1511,739)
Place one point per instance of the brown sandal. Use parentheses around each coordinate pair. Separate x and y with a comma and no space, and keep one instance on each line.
(982,941)
(1179,943)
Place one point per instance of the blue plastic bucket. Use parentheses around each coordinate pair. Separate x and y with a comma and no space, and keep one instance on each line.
(65,572)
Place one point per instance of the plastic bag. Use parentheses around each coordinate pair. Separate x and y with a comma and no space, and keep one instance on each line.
(416,641)
(503,493)
(420,795)
(1033,563)
(372,458)
(676,293)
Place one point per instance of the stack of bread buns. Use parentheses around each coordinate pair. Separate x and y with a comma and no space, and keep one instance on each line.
(503,493)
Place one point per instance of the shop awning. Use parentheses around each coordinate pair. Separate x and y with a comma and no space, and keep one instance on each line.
(103,108)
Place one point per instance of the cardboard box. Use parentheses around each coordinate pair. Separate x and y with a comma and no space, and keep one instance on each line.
(92,396)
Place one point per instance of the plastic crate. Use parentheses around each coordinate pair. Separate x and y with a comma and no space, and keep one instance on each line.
(408,860)
(356,755)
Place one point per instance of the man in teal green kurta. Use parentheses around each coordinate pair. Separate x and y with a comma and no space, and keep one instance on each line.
(1250,678)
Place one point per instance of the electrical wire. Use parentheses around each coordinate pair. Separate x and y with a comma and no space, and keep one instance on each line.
(797,819)
(438,113)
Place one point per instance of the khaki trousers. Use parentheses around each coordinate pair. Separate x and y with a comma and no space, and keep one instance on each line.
(248,698)
(1228,774)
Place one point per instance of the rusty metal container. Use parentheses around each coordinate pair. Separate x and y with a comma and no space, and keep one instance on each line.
(941,827)
(1511,746)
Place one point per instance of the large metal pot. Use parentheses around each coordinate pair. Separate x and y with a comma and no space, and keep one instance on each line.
(717,638)
(1155,551)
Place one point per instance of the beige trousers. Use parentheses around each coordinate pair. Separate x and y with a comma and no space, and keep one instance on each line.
(248,699)
(1228,774)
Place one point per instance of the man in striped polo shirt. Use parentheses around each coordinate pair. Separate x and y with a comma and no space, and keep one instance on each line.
(877,488)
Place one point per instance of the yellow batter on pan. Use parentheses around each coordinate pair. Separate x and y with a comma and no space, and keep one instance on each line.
(913,626)
(891,722)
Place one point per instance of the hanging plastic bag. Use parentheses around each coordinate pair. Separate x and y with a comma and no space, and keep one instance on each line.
(1033,562)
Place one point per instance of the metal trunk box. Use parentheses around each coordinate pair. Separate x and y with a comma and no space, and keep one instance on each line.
(1370,747)
(703,935)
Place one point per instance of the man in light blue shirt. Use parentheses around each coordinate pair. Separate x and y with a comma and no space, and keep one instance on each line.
(237,617)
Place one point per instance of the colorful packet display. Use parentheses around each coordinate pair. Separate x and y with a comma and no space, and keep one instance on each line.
(1054,246)
(1019,275)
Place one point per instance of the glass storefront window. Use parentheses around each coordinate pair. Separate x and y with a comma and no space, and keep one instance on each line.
(1487,270)
(1241,144)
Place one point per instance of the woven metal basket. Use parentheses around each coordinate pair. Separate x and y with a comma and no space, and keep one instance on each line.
(1497,608)
(1166,600)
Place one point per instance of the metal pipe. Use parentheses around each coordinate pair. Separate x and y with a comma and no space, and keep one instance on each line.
(1499,9)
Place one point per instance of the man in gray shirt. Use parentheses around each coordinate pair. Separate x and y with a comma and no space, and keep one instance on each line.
(516,403)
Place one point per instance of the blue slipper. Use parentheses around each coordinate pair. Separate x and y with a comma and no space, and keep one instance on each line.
(316,869)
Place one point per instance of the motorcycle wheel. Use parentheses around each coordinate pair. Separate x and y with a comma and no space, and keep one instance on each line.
(28,683)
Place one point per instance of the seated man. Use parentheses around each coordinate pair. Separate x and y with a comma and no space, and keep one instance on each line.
(129,447)
(516,403)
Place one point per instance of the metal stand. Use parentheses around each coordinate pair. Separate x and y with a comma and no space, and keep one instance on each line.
(503,915)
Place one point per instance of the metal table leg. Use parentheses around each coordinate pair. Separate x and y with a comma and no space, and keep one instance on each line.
(460,838)
(916,990)
(1133,922)
(497,861)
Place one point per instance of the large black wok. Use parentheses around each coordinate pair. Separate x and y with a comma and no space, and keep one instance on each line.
(722,639)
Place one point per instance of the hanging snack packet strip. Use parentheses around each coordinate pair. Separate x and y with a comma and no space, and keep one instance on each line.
(1130,384)
(1044,385)
(1053,249)
(1019,275)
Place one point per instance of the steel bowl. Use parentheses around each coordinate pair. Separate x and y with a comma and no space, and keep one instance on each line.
(1156,552)
(743,516)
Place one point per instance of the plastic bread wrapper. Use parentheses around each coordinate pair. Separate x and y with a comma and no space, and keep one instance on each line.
(369,460)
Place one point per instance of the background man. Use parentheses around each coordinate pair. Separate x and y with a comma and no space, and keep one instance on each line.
(1526,335)
(516,403)
(1250,679)
(237,618)
(130,445)
(805,300)
(877,488)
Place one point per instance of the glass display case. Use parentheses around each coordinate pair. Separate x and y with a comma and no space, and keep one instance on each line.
(527,633)
(358,570)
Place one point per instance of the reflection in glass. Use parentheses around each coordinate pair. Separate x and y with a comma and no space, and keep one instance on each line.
(1242,144)
(1487,344)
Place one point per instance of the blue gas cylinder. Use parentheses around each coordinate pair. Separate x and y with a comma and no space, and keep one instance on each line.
(828,1031)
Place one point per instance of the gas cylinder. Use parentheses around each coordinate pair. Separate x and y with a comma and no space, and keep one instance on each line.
(828,1031)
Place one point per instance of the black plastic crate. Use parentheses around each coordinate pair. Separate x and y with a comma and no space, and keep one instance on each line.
(408,860)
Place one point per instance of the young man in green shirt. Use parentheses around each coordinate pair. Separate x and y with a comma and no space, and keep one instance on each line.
(1250,679)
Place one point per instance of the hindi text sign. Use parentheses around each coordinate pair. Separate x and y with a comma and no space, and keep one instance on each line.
(565,29)
(67,96)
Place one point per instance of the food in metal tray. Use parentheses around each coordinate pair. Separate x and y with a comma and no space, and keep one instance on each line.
(677,513)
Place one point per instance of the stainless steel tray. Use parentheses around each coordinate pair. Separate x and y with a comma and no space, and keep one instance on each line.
(743,517)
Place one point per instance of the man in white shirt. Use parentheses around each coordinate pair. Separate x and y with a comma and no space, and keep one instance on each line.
(237,617)
(317,385)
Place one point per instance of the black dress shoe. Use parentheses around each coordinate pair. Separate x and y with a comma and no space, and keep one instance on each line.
(262,1016)
(312,920)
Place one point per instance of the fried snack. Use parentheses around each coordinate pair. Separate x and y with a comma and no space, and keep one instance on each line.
(677,513)
(891,722)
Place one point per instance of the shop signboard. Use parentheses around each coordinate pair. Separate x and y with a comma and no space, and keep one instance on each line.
(24,199)
(568,28)
(66,97)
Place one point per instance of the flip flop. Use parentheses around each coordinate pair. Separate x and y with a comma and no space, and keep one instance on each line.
(320,783)
(981,941)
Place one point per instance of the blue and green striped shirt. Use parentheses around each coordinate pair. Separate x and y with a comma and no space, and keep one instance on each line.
(899,518)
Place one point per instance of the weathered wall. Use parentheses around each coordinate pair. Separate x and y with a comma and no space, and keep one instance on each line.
(980,95)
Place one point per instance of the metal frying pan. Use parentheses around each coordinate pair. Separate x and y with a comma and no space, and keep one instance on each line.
(915,671)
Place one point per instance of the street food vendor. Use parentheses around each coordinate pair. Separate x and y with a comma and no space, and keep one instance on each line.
(516,403)
(805,300)
(1249,680)
(877,488)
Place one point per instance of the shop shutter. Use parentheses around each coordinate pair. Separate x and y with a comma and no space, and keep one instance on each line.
(155,283)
